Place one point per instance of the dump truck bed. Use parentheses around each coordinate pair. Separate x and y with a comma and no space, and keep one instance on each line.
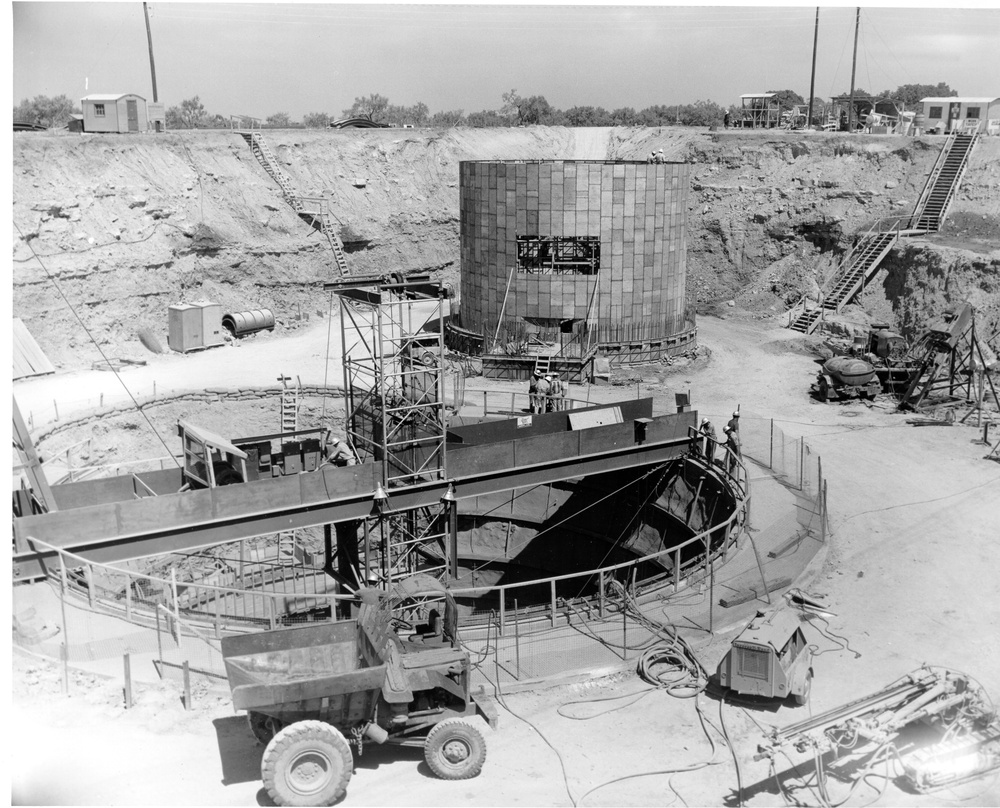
(308,672)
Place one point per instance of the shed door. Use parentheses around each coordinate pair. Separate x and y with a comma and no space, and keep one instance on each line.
(953,115)
(133,115)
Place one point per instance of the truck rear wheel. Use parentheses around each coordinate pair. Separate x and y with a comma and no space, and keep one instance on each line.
(308,763)
(455,750)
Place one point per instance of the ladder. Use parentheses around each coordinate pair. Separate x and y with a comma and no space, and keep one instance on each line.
(289,404)
(543,364)
(314,211)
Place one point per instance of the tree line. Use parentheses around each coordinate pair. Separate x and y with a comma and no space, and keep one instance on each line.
(515,110)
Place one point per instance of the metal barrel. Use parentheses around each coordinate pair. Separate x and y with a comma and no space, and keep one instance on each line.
(247,322)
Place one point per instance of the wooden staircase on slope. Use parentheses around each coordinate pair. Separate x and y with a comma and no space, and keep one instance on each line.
(315,212)
(946,176)
(853,274)
(863,261)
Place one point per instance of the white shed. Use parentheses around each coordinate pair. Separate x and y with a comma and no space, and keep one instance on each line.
(956,113)
(114,112)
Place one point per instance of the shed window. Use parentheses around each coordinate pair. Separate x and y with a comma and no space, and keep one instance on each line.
(555,255)
(972,112)
(99,110)
(934,112)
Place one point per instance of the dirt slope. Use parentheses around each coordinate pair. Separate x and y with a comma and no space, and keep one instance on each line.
(129,226)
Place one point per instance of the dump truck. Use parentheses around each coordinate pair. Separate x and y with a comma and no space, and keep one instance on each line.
(313,692)
(769,659)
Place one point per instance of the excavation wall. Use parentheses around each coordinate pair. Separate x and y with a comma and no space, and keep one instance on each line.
(120,227)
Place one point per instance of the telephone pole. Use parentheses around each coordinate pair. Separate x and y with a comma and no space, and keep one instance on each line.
(854,65)
(812,78)
(152,64)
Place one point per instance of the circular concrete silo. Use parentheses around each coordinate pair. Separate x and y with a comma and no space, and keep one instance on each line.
(591,252)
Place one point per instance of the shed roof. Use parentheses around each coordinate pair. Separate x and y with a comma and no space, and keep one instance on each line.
(109,96)
(957,99)
(772,629)
(758,95)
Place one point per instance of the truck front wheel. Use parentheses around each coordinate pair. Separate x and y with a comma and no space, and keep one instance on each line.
(308,763)
(455,750)
(803,696)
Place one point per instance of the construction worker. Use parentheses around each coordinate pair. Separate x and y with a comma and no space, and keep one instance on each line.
(652,157)
(340,454)
(708,440)
(533,391)
(734,423)
(733,445)
(556,391)
(544,387)
(659,157)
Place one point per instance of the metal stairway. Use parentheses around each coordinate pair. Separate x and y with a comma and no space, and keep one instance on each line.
(857,268)
(314,212)
(864,259)
(939,190)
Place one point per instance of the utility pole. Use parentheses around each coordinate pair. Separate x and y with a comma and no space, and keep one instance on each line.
(149,39)
(854,65)
(812,78)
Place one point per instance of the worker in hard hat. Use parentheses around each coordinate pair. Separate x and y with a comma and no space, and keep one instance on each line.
(659,157)
(340,454)
(733,447)
(533,391)
(708,440)
(556,392)
(544,386)
(734,422)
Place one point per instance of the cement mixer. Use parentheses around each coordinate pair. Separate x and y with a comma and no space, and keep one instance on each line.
(847,377)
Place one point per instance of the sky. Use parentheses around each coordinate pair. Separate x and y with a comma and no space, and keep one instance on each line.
(262,58)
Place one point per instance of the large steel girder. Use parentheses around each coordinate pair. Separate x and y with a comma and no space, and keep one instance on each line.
(118,531)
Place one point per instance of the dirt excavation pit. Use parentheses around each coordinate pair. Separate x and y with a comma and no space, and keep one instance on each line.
(907,571)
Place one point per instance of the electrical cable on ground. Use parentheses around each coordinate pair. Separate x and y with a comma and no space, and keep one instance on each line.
(90,336)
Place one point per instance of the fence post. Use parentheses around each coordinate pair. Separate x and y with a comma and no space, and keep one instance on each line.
(503,610)
(64,648)
(88,574)
(802,462)
(485,404)
(600,596)
(677,570)
(624,630)
(187,685)
(128,598)
(517,642)
(552,601)
(128,683)
(270,611)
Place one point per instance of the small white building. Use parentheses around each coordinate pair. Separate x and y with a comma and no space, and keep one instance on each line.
(958,113)
(114,112)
